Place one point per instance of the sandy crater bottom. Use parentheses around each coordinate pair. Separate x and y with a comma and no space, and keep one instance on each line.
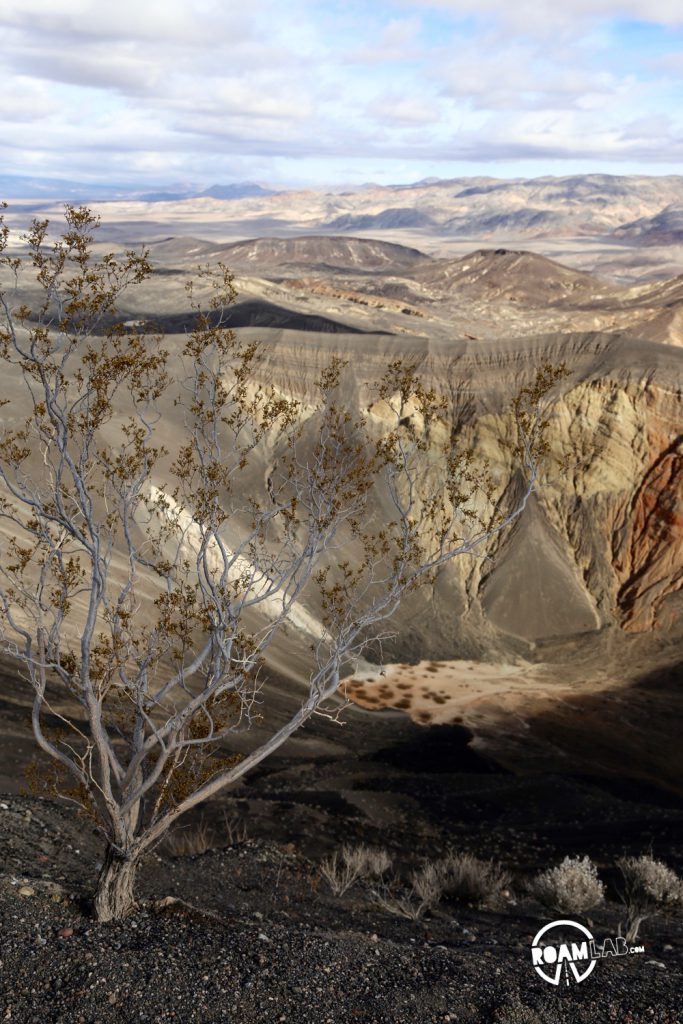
(499,703)
(444,692)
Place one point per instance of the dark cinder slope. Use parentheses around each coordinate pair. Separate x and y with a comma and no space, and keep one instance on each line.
(524,277)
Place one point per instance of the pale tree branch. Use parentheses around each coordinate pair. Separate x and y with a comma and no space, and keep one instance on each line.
(146,590)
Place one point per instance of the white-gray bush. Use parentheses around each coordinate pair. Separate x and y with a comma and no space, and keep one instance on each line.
(572,887)
(649,885)
(344,868)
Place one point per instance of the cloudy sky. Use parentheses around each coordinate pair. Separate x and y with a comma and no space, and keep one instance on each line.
(319,92)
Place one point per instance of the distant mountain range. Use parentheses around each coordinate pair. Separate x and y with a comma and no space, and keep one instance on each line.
(634,210)
(14,186)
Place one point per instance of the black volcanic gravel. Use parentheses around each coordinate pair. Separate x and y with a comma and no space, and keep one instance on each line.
(264,940)
(157,968)
(271,944)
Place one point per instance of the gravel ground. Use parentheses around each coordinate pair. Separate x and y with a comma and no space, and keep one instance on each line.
(57,966)
(265,941)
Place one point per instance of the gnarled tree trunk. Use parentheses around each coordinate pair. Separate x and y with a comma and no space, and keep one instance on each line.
(115,895)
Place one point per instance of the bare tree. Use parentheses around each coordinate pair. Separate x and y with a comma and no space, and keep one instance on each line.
(141,590)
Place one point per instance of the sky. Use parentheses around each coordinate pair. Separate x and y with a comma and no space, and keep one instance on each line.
(319,93)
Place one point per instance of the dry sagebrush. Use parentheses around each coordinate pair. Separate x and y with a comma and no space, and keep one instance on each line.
(342,869)
(572,887)
(648,885)
(459,877)
(422,893)
(467,879)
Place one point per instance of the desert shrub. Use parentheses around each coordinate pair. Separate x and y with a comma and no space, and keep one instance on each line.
(235,831)
(427,884)
(470,880)
(423,893)
(189,842)
(193,841)
(399,903)
(649,885)
(572,887)
(345,867)
(457,876)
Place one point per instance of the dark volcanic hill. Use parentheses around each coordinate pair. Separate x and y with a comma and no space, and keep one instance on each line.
(267,254)
(359,254)
(500,274)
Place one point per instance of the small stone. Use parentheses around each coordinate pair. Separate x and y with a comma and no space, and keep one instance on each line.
(26,890)
(112,999)
(263,937)
(165,902)
(65,933)
(656,963)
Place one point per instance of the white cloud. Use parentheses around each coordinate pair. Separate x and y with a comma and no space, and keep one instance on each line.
(523,77)
(29,100)
(181,89)
(398,41)
(154,21)
(543,17)
(403,110)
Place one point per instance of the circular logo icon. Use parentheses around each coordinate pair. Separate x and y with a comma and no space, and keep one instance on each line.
(562,950)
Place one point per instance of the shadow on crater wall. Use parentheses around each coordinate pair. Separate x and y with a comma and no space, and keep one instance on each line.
(256,313)
(436,749)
